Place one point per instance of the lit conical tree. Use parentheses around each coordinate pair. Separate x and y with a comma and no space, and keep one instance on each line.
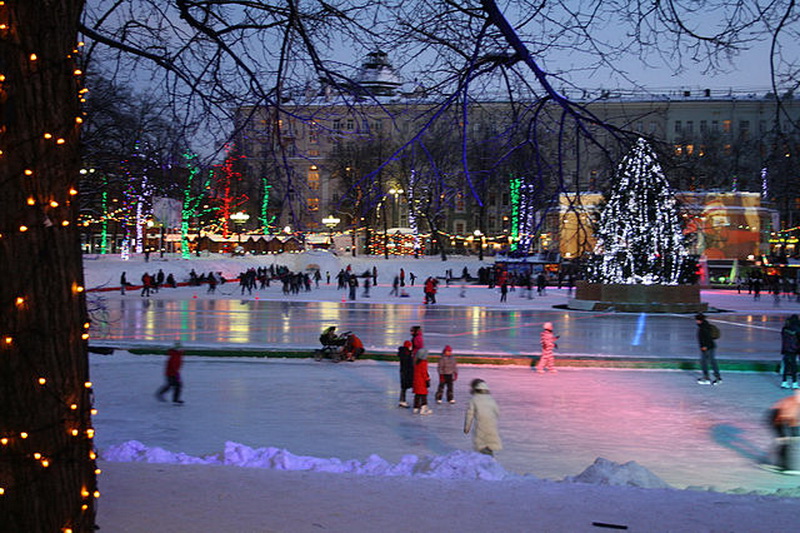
(640,239)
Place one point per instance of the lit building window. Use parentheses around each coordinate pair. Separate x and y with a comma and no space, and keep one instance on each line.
(313,204)
(313,178)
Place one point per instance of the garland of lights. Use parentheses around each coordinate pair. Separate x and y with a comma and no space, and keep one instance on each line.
(264,219)
(191,206)
(514,186)
(104,223)
(34,456)
(639,238)
(523,215)
(229,204)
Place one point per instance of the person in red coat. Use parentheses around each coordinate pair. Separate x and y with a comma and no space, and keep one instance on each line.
(173,374)
(417,342)
(422,380)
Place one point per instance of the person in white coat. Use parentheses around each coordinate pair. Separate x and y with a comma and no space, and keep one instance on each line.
(483,411)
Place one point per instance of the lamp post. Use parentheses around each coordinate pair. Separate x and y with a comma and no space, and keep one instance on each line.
(240,219)
(331,221)
(479,238)
(395,210)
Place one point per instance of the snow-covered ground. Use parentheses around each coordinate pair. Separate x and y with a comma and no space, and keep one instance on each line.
(304,446)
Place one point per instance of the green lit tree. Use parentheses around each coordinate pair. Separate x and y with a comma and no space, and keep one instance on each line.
(640,238)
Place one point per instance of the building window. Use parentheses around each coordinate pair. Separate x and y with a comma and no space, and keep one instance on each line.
(350,124)
(460,202)
(726,126)
(337,125)
(689,149)
(744,126)
(703,126)
(313,178)
(678,149)
(678,127)
(364,126)
(492,200)
(727,149)
(459,227)
(653,126)
(313,204)
(505,199)
(715,126)
(313,133)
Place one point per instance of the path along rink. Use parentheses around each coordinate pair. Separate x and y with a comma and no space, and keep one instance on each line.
(552,426)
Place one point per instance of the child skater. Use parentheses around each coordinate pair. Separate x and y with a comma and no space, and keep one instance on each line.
(484,414)
(448,374)
(422,380)
(548,340)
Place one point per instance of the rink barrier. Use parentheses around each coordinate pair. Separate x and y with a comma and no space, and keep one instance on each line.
(564,361)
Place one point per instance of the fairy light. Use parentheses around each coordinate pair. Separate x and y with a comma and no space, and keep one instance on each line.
(28,172)
(48,135)
(31,201)
(8,339)
(33,57)
(20,300)
(23,228)
(42,381)
(23,435)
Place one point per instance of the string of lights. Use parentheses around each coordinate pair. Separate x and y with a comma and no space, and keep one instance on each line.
(47,456)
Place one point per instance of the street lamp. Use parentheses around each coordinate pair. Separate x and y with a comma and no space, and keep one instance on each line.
(331,221)
(240,219)
(395,210)
(479,237)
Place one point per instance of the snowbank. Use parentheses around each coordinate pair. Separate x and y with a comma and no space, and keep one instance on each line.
(456,465)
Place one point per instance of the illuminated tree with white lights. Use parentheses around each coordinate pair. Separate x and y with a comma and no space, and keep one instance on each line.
(639,236)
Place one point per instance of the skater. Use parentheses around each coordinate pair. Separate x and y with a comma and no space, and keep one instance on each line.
(790,344)
(353,348)
(548,341)
(448,374)
(706,333)
(422,380)
(483,411)
(147,284)
(123,284)
(406,371)
(417,342)
(173,374)
(785,421)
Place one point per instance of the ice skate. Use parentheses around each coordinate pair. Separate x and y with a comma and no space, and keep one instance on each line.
(416,410)
(785,385)
(403,404)
(717,381)
(703,381)
(425,410)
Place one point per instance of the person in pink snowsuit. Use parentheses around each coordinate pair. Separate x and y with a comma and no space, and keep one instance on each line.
(548,340)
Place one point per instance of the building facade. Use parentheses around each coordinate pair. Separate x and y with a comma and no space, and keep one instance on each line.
(360,157)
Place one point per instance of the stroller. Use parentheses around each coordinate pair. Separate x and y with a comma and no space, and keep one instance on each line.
(332,345)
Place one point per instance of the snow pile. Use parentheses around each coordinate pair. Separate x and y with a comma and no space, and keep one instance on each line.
(456,465)
(630,474)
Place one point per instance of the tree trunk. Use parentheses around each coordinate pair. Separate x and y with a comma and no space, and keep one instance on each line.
(47,467)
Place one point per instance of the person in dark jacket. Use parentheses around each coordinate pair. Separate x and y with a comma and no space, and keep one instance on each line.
(406,371)
(790,344)
(173,374)
(705,338)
